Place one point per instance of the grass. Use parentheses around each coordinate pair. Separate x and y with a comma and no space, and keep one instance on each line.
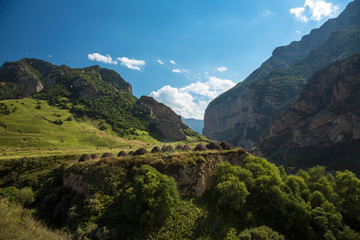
(17,223)
(31,131)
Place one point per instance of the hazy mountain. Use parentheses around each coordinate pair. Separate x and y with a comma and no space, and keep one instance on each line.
(195,124)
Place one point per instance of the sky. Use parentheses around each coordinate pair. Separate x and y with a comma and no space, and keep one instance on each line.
(183,53)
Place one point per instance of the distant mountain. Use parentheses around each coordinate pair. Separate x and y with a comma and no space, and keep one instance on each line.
(323,125)
(97,93)
(244,113)
(195,124)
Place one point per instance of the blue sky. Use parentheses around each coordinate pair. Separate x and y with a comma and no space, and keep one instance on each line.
(183,53)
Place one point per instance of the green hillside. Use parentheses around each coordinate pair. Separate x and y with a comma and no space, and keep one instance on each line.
(143,197)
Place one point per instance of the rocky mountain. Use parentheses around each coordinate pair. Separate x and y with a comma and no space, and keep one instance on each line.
(323,125)
(166,121)
(94,92)
(244,113)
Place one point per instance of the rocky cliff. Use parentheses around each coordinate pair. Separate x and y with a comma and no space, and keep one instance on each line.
(325,119)
(243,114)
(165,120)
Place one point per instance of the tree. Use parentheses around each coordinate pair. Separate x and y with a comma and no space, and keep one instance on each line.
(150,197)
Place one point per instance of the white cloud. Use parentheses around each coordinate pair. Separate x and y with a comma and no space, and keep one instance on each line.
(314,10)
(131,63)
(191,101)
(297,32)
(221,69)
(179,70)
(159,61)
(172,62)
(49,56)
(101,58)
(298,12)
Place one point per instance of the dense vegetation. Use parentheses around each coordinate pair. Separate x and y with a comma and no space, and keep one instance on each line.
(129,199)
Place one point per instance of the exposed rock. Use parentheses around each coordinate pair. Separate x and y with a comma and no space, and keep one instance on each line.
(89,92)
(168,148)
(108,154)
(191,180)
(326,114)
(225,146)
(200,147)
(94,156)
(122,154)
(186,148)
(131,153)
(166,121)
(214,146)
(179,147)
(140,151)
(243,114)
(85,157)
(155,150)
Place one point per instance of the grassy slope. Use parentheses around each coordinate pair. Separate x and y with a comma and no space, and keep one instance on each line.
(30,130)
(17,223)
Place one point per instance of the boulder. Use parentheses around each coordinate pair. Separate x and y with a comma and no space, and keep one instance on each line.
(85,157)
(200,147)
(122,154)
(214,146)
(108,154)
(155,150)
(140,151)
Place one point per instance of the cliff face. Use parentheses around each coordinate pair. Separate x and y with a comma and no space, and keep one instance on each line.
(165,120)
(326,115)
(244,113)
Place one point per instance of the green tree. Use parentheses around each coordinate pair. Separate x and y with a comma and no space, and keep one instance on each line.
(150,197)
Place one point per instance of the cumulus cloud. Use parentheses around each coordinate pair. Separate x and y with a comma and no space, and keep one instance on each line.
(191,101)
(101,58)
(172,62)
(314,10)
(221,69)
(131,63)
(159,61)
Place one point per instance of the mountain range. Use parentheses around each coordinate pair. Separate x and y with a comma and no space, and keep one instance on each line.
(243,114)
(93,93)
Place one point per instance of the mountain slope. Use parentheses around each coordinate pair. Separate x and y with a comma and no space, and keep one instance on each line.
(195,124)
(93,92)
(242,114)
(323,125)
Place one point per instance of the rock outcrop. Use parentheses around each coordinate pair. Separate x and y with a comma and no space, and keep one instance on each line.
(165,120)
(326,115)
(244,113)
(192,178)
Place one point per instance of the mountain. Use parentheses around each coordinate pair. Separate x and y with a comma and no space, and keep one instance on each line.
(323,125)
(92,92)
(195,124)
(244,113)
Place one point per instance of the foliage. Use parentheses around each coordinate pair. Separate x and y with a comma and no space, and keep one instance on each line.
(150,197)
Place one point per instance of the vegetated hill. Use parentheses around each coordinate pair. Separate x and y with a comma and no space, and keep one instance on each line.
(243,114)
(323,125)
(194,124)
(185,195)
(93,92)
